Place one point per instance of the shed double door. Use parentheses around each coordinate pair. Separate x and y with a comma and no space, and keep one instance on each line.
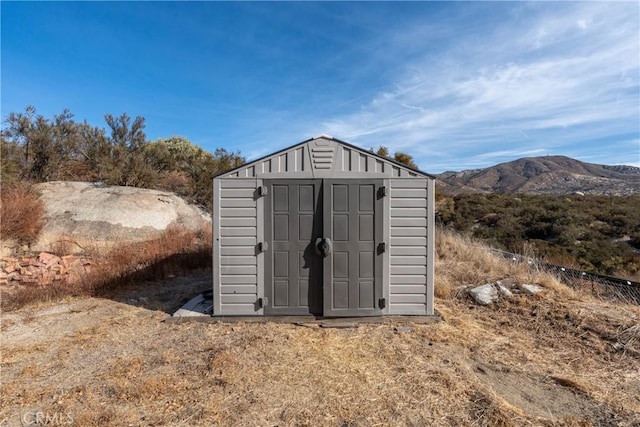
(324,247)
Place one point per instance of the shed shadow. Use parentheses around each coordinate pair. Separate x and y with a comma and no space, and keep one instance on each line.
(166,285)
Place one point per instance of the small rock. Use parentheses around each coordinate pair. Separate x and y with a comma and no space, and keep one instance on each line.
(504,290)
(401,329)
(531,289)
(485,294)
(47,258)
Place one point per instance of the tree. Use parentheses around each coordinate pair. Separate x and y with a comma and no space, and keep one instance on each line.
(187,168)
(400,157)
(125,163)
(383,152)
(18,129)
(405,159)
(11,156)
(47,145)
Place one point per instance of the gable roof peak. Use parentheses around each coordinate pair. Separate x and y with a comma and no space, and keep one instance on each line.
(323,136)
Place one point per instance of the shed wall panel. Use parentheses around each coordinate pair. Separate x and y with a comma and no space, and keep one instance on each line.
(237,231)
(233,309)
(408,245)
(238,222)
(237,237)
(240,289)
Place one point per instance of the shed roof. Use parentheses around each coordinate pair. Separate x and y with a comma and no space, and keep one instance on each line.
(323,157)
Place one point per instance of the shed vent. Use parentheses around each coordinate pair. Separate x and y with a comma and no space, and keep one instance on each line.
(322,154)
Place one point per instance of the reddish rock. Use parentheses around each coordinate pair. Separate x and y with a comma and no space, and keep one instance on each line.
(47,258)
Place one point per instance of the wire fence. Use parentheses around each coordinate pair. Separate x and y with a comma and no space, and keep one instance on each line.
(610,288)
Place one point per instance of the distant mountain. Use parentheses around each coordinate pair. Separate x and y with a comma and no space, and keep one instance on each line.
(544,175)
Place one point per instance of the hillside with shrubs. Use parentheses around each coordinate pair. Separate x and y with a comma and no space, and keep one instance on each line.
(599,234)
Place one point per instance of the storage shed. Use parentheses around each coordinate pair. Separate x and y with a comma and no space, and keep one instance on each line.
(323,228)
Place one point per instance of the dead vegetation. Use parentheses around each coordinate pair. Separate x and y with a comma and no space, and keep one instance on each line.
(177,251)
(558,358)
(21,213)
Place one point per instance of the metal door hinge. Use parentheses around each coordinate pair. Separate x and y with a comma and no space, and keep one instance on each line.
(263,191)
(262,302)
(382,192)
(382,303)
(382,247)
(263,247)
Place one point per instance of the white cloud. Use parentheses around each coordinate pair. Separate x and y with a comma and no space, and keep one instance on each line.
(547,82)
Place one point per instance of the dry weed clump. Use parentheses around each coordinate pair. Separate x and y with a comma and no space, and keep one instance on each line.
(21,213)
(461,260)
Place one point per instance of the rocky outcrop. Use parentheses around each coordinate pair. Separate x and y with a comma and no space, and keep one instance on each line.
(44,269)
(82,214)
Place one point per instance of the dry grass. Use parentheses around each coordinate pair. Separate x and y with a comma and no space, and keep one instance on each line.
(559,358)
(175,252)
(21,213)
(461,260)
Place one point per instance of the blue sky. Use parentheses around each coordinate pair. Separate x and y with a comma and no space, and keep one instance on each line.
(458,85)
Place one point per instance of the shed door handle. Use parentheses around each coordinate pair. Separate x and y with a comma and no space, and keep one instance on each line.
(323,246)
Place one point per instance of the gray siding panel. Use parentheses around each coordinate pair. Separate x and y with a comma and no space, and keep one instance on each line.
(237,193)
(408,260)
(239,270)
(237,279)
(237,212)
(406,231)
(418,298)
(237,202)
(404,279)
(237,236)
(240,289)
(409,241)
(238,241)
(238,260)
(408,245)
(408,222)
(238,222)
(402,269)
(408,250)
(408,213)
(238,309)
(409,202)
(238,299)
(237,231)
(238,250)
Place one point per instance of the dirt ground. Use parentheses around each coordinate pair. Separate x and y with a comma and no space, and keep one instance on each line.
(118,361)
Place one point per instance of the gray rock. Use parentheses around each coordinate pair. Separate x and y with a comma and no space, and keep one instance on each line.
(484,295)
(504,290)
(531,289)
(89,214)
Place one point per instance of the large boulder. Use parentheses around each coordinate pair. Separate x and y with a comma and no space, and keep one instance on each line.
(80,214)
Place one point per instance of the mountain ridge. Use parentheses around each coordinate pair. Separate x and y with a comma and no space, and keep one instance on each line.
(544,175)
